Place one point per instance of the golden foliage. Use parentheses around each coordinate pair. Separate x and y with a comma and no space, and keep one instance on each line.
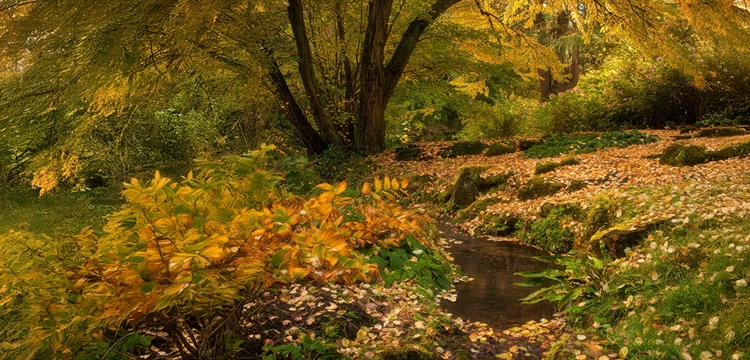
(195,246)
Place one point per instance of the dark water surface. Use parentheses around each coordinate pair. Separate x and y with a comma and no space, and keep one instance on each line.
(492,297)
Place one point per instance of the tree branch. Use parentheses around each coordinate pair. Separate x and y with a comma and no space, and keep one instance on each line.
(405,48)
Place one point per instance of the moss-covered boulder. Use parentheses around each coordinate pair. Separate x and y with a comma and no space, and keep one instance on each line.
(470,183)
(683,155)
(536,188)
(411,153)
(739,150)
(550,166)
(466,189)
(477,208)
(721,132)
(500,148)
(462,148)
(526,144)
(617,238)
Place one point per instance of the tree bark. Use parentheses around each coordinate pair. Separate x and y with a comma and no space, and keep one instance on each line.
(310,138)
(378,82)
(307,73)
(370,130)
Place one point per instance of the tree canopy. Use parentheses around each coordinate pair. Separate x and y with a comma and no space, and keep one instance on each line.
(77,77)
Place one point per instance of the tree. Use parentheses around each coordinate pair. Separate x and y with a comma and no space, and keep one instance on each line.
(331,66)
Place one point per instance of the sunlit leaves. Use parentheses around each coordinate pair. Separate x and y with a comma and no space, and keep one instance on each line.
(194,246)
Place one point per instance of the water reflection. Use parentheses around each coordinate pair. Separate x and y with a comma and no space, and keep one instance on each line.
(492,297)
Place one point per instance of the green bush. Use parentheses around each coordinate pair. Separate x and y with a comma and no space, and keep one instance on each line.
(572,111)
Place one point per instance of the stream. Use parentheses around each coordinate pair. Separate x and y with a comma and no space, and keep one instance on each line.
(492,297)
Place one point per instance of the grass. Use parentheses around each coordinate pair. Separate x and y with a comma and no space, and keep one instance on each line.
(683,291)
(60,212)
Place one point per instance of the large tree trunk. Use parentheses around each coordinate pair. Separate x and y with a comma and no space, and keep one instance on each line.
(307,73)
(310,139)
(378,81)
(370,130)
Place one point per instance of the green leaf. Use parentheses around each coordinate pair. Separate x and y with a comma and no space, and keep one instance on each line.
(147,287)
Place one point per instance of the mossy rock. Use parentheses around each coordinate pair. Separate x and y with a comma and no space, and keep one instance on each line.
(443,197)
(500,148)
(576,185)
(683,155)
(470,183)
(526,144)
(466,186)
(407,353)
(722,132)
(682,137)
(462,148)
(739,150)
(686,129)
(616,239)
(411,153)
(498,225)
(477,207)
(536,188)
(550,166)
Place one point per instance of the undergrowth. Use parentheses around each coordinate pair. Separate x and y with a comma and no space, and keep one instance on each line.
(558,144)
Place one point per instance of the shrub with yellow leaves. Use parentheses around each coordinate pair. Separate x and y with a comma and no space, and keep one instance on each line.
(193,249)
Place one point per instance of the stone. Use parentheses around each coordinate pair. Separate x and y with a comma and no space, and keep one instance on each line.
(536,188)
(722,132)
(683,155)
(462,148)
(411,153)
(500,148)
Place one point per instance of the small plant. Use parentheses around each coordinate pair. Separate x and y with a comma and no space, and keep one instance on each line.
(581,278)
(414,261)
(306,348)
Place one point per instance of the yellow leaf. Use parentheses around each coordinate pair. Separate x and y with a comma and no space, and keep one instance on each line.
(213,252)
(386,183)
(394,184)
(378,184)
(365,188)
(298,272)
(404,183)
(324,186)
(175,288)
(340,187)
